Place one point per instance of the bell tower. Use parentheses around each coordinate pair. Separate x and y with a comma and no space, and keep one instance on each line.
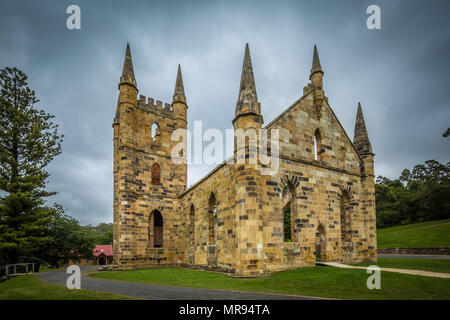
(148,175)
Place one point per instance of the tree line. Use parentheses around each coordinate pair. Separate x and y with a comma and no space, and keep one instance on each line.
(417,195)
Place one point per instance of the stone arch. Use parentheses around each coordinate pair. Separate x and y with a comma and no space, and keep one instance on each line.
(288,185)
(321,243)
(212,216)
(192,226)
(289,178)
(155,230)
(288,207)
(156,174)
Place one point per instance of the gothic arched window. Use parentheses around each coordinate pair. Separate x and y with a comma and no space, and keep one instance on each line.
(192,226)
(289,211)
(317,145)
(155,132)
(155,231)
(156,174)
(212,214)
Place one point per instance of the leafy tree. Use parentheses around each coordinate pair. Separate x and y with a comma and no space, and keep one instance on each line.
(421,194)
(67,241)
(103,232)
(105,238)
(103,227)
(431,172)
(29,141)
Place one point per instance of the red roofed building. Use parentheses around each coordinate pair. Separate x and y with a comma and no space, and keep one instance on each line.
(103,254)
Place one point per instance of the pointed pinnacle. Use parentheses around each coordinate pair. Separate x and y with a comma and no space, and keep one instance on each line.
(361,138)
(360,117)
(247,89)
(128,52)
(128,71)
(316,66)
(179,88)
(117,117)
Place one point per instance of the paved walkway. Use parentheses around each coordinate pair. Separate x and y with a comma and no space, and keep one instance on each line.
(160,292)
(404,271)
(416,256)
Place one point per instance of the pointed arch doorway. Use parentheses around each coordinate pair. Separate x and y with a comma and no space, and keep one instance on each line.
(321,243)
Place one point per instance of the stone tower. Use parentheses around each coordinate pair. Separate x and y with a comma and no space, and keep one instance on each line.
(147,177)
(364,148)
(247,124)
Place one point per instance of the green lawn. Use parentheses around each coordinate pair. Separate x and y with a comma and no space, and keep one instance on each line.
(29,287)
(310,281)
(414,264)
(425,234)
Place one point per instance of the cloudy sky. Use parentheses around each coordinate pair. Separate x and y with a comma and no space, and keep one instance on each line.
(399,73)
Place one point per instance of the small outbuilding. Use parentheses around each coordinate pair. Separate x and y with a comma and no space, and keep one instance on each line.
(103,254)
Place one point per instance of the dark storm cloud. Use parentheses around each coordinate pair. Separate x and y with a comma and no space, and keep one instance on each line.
(399,73)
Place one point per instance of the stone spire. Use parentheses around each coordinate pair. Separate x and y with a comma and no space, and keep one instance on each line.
(128,72)
(316,67)
(247,100)
(178,94)
(361,138)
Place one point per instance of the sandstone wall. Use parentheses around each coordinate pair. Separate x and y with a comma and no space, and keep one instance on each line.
(221,252)
(135,196)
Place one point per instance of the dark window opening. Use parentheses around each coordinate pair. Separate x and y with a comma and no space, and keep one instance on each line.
(212,215)
(156,174)
(155,230)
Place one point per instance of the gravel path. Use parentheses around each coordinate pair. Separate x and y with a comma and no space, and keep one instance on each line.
(404,271)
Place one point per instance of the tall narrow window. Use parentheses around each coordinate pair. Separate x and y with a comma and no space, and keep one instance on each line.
(155,132)
(192,226)
(288,210)
(155,231)
(321,243)
(317,145)
(315,148)
(212,215)
(156,174)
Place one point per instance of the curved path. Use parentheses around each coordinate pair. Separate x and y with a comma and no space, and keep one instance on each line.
(416,256)
(405,271)
(160,292)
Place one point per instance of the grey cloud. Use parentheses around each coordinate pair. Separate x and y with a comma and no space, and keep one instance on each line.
(400,73)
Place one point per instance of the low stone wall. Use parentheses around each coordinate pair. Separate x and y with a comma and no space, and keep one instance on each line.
(424,250)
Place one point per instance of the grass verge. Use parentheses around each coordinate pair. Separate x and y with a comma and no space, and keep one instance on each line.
(309,281)
(424,234)
(29,287)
